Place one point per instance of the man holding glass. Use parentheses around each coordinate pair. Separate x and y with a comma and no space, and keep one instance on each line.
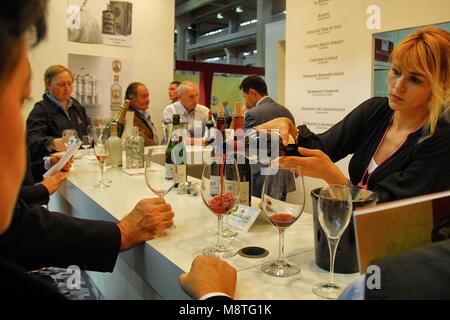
(30,236)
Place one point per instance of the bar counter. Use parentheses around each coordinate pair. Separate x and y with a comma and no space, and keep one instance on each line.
(151,271)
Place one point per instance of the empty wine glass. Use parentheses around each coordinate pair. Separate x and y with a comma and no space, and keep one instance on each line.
(101,149)
(219,200)
(69,136)
(283,200)
(159,177)
(334,213)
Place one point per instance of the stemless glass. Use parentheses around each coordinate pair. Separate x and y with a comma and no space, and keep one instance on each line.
(334,213)
(283,200)
(101,149)
(221,203)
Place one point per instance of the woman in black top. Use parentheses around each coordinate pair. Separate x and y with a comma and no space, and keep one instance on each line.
(57,112)
(400,144)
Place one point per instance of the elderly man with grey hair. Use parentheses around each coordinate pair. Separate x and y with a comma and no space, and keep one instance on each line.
(192,113)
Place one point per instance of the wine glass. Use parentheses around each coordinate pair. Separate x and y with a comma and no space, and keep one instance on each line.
(334,213)
(69,136)
(283,200)
(159,176)
(101,149)
(219,200)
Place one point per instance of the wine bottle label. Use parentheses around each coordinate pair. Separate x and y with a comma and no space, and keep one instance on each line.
(170,171)
(215,185)
(181,173)
(245,193)
(230,186)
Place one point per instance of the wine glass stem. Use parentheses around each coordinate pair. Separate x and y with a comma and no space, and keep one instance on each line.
(102,169)
(332,245)
(220,230)
(281,256)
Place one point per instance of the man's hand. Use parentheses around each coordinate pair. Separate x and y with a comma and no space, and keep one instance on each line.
(207,275)
(54,158)
(149,219)
(285,125)
(53,182)
(315,164)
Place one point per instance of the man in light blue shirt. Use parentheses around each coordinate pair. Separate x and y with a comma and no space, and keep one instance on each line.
(192,113)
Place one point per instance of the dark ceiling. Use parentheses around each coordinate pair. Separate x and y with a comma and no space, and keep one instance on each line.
(202,14)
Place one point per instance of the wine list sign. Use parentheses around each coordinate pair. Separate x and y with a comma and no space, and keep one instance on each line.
(100,22)
(100,83)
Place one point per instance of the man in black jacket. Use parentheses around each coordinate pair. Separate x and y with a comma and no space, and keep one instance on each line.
(56,112)
(32,237)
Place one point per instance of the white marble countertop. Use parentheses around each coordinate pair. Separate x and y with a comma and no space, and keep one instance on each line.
(196,229)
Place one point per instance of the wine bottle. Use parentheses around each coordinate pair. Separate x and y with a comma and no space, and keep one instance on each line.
(265,146)
(175,164)
(218,177)
(118,118)
(209,132)
(245,173)
(115,147)
(220,121)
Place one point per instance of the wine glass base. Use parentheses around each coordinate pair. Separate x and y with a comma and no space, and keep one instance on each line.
(280,269)
(171,228)
(219,252)
(228,233)
(327,291)
(102,185)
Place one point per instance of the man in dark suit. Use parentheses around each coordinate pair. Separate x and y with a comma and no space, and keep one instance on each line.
(139,98)
(30,236)
(261,109)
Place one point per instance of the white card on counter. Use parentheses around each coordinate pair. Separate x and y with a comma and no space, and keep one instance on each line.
(64,159)
(243,218)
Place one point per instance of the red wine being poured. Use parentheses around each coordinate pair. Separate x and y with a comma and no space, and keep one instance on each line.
(282,220)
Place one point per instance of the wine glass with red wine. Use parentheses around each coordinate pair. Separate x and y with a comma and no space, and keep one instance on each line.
(221,198)
(283,200)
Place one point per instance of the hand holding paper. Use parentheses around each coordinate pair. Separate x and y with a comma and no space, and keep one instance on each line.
(64,159)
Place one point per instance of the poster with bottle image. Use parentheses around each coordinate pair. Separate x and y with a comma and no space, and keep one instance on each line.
(100,22)
(100,83)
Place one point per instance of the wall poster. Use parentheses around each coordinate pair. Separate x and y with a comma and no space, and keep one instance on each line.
(100,83)
(100,22)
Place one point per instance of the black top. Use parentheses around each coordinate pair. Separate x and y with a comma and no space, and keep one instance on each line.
(38,238)
(47,121)
(418,167)
(16,284)
(418,274)
(30,192)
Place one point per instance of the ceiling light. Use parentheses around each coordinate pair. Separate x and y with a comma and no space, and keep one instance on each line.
(220,16)
(239,10)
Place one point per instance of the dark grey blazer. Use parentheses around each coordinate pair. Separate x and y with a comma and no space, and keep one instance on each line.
(266,111)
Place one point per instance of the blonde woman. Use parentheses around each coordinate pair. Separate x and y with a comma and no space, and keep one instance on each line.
(400,144)
(56,112)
